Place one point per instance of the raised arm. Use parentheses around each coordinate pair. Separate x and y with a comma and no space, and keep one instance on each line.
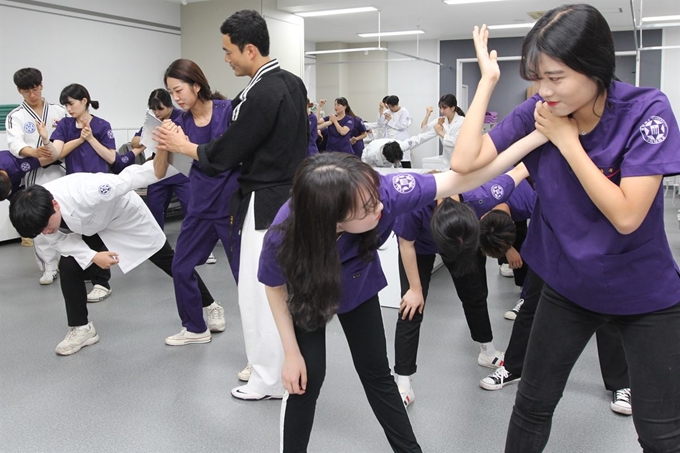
(474,150)
(426,120)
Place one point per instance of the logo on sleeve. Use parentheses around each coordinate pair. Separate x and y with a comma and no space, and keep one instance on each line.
(110,134)
(654,130)
(124,159)
(497,191)
(29,127)
(25,167)
(104,189)
(404,183)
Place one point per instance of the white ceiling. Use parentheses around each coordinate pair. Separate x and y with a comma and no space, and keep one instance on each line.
(442,21)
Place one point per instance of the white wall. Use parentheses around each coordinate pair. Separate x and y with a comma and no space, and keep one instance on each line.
(119,61)
(670,68)
(202,40)
(417,85)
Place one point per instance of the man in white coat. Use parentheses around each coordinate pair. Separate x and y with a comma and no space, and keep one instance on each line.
(105,208)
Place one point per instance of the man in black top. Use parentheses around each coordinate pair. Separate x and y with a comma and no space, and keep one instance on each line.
(268,135)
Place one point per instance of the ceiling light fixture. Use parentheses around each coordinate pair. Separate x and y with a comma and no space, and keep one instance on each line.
(350,50)
(464,2)
(659,18)
(391,33)
(509,26)
(332,12)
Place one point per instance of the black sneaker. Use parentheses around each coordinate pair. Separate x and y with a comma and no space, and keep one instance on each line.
(498,379)
(621,402)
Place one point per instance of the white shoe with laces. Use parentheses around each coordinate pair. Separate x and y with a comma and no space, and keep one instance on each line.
(506,271)
(76,339)
(48,277)
(215,315)
(511,314)
(244,374)
(498,379)
(211,259)
(621,402)
(185,337)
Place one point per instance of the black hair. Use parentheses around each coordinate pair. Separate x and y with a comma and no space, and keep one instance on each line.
(392,152)
(30,210)
(392,100)
(348,110)
(327,189)
(576,35)
(384,100)
(189,72)
(27,78)
(159,99)
(497,233)
(5,186)
(455,230)
(449,100)
(77,92)
(247,27)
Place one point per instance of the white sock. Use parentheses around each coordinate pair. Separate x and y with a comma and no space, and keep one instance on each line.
(488,349)
(403,382)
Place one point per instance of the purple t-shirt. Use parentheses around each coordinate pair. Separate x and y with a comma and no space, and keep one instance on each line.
(501,189)
(84,158)
(359,128)
(336,141)
(415,226)
(210,195)
(573,247)
(313,135)
(399,193)
(16,168)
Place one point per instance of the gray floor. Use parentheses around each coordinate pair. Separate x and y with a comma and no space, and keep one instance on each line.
(131,393)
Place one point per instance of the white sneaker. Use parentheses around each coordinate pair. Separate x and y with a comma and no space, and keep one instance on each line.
(215,317)
(185,337)
(244,374)
(407,395)
(506,271)
(98,294)
(621,402)
(76,339)
(491,362)
(48,277)
(244,393)
(211,259)
(511,315)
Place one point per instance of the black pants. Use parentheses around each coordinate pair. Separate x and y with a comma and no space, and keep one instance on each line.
(365,335)
(75,293)
(610,351)
(472,291)
(519,274)
(100,276)
(560,332)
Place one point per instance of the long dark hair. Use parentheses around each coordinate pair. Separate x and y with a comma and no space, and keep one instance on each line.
(455,230)
(348,110)
(576,35)
(327,189)
(189,72)
(449,100)
(78,92)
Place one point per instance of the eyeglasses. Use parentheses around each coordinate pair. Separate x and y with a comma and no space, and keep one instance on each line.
(34,90)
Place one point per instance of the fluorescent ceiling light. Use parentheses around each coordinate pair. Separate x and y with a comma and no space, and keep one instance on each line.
(662,25)
(463,2)
(332,12)
(350,50)
(391,33)
(509,26)
(659,18)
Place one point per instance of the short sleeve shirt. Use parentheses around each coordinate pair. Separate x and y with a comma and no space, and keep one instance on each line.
(84,158)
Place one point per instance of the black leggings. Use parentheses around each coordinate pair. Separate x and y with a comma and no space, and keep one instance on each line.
(365,335)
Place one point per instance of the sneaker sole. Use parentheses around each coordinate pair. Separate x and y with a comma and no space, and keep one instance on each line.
(45,282)
(243,377)
(490,365)
(492,387)
(620,410)
(186,342)
(94,301)
(217,329)
(510,317)
(89,342)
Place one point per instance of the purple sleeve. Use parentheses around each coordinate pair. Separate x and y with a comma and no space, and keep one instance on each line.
(406,192)
(518,124)
(59,132)
(104,134)
(139,132)
(407,225)
(494,192)
(359,127)
(269,272)
(350,123)
(122,161)
(313,123)
(653,145)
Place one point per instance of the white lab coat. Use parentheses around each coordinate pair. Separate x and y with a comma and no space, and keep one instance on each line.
(106,204)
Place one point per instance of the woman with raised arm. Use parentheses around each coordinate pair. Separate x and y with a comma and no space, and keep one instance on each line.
(598,238)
